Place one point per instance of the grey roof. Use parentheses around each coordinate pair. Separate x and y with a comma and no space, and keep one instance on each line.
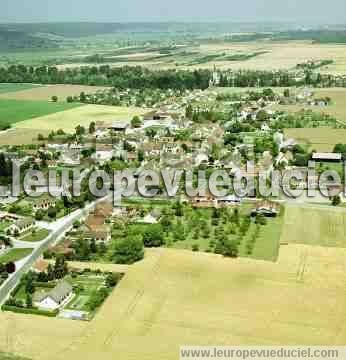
(61,291)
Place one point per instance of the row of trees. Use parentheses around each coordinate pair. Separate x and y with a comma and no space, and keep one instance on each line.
(138,77)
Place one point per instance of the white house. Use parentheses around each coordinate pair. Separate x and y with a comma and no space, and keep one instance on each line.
(103,153)
(55,298)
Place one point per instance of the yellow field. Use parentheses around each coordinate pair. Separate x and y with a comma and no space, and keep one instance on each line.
(46,92)
(84,115)
(336,109)
(319,139)
(21,136)
(179,297)
(324,226)
(280,55)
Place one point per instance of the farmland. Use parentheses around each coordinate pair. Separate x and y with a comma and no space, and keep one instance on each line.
(21,136)
(315,226)
(41,93)
(336,108)
(9,88)
(136,314)
(319,139)
(80,115)
(10,114)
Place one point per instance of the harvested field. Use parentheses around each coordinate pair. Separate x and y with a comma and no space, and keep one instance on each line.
(200,299)
(17,136)
(46,92)
(83,115)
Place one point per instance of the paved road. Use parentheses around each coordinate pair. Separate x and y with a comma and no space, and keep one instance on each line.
(58,228)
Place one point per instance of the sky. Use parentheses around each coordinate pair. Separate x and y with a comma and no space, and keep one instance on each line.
(320,11)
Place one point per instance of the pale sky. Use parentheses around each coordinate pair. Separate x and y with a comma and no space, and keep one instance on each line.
(332,11)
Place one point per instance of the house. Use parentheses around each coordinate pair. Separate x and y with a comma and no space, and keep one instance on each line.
(21,226)
(40,266)
(101,233)
(119,128)
(152,218)
(55,298)
(229,200)
(70,157)
(104,208)
(207,201)
(43,203)
(330,157)
(103,153)
(267,208)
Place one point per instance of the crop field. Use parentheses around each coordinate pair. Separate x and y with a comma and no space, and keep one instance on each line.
(14,111)
(46,92)
(8,88)
(200,299)
(21,136)
(256,55)
(315,226)
(82,115)
(337,109)
(319,139)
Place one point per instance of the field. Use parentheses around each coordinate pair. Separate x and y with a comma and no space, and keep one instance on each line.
(199,299)
(21,136)
(337,109)
(8,88)
(256,55)
(46,92)
(82,115)
(315,226)
(319,139)
(13,111)
(15,255)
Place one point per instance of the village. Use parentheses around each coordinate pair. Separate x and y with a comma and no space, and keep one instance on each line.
(194,130)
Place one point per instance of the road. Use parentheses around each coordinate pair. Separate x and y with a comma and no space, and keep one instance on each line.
(58,228)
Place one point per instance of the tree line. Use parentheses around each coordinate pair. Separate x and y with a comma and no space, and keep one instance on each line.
(138,77)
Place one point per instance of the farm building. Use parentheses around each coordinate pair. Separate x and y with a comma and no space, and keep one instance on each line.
(332,157)
(21,226)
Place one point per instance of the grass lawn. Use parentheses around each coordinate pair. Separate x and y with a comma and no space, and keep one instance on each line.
(13,111)
(37,236)
(7,88)
(15,255)
(4,225)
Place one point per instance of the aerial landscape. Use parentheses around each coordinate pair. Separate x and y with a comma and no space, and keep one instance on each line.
(172,178)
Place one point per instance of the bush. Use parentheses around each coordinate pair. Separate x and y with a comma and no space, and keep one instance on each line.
(34,311)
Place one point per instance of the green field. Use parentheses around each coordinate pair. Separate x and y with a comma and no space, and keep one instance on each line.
(15,255)
(13,111)
(37,236)
(6,88)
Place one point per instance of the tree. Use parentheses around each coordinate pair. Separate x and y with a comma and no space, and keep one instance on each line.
(40,137)
(28,300)
(336,201)
(60,267)
(136,122)
(52,212)
(112,279)
(80,130)
(54,98)
(39,215)
(287,93)
(29,285)
(128,251)
(230,249)
(153,236)
(92,127)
